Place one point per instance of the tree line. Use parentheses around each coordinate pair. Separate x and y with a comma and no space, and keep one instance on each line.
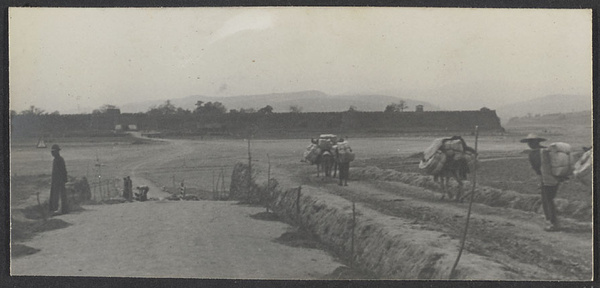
(204,108)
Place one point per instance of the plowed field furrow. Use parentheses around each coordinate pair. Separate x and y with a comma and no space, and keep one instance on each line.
(513,238)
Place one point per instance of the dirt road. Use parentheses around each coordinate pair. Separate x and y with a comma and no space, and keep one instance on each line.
(182,239)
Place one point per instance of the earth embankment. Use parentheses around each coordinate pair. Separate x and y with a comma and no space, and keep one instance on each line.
(391,247)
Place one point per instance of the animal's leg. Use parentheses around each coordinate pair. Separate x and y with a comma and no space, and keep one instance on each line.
(443,185)
(335,168)
(448,188)
(460,191)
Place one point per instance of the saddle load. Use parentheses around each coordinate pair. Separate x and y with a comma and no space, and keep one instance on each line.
(443,150)
(582,169)
(324,143)
(327,141)
(312,153)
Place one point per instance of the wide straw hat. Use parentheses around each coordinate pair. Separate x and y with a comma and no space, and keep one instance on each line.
(532,137)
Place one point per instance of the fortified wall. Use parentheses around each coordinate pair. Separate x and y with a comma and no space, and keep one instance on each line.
(272,124)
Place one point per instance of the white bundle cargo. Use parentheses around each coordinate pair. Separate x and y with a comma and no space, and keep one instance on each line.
(345,154)
(312,153)
(434,164)
(331,137)
(560,159)
(325,144)
(582,169)
(433,148)
(446,149)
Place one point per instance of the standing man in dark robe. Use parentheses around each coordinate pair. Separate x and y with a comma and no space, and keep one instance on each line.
(59,178)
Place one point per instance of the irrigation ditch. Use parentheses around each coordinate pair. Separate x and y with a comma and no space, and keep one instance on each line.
(366,240)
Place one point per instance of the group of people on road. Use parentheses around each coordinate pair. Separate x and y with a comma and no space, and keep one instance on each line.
(339,149)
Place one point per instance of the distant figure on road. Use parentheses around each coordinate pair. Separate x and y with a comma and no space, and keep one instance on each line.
(59,178)
(182,190)
(127,188)
(143,193)
(548,187)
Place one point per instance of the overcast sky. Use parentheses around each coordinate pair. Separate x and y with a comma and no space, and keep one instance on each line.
(81,58)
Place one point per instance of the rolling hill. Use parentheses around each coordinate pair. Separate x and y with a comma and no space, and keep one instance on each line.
(545,105)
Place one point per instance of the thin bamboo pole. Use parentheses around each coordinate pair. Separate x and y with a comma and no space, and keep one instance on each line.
(464,236)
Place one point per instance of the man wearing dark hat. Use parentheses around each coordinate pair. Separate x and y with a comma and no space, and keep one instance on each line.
(59,178)
(549,188)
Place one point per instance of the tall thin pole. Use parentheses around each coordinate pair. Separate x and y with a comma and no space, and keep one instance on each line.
(464,236)
(222,184)
(213,185)
(353,227)
(249,170)
(268,183)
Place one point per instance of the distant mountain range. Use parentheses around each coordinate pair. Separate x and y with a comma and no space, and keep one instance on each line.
(545,105)
(308,101)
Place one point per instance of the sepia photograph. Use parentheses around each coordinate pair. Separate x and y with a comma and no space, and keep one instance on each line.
(301,143)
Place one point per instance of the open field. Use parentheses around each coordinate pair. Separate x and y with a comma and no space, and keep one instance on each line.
(164,164)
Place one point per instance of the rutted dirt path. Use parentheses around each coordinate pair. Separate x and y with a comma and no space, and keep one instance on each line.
(181,239)
(511,237)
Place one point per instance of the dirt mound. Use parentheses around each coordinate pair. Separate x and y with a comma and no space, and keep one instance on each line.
(578,210)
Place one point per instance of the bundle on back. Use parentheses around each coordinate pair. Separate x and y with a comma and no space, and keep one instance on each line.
(345,153)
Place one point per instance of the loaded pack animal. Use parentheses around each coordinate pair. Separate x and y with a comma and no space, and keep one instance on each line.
(325,160)
(449,158)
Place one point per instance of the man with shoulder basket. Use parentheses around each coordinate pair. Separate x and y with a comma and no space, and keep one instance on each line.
(538,158)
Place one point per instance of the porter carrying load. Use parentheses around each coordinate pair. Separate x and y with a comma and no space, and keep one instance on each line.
(344,152)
